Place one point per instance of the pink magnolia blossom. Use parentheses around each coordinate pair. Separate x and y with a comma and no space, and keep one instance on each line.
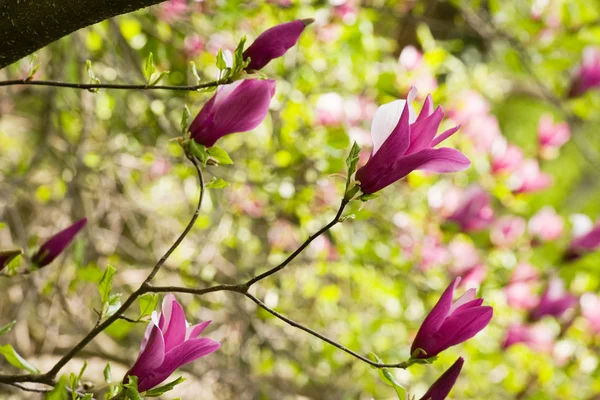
(546,224)
(585,243)
(507,230)
(403,143)
(528,178)
(552,136)
(193,45)
(538,337)
(274,42)
(475,212)
(443,385)
(506,158)
(590,304)
(330,109)
(56,244)
(520,291)
(450,323)
(555,301)
(587,76)
(410,58)
(469,104)
(172,10)
(238,107)
(168,344)
(484,132)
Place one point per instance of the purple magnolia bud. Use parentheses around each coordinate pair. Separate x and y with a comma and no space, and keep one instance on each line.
(475,211)
(555,301)
(538,337)
(587,75)
(442,387)
(274,42)
(238,107)
(6,256)
(168,344)
(450,323)
(403,142)
(56,244)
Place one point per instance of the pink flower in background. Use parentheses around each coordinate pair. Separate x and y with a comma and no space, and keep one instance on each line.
(506,158)
(160,167)
(168,344)
(238,107)
(6,256)
(410,58)
(528,178)
(538,337)
(346,10)
(466,264)
(520,291)
(552,136)
(282,235)
(172,10)
(590,306)
(585,243)
(546,224)
(56,244)
(443,385)
(475,211)
(587,76)
(274,42)
(193,45)
(507,230)
(245,201)
(403,143)
(555,301)
(432,252)
(330,109)
(450,323)
(484,132)
(469,104)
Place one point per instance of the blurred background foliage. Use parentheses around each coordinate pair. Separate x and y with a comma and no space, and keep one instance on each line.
(112,157)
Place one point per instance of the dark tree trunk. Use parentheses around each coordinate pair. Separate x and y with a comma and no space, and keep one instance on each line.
(28,25)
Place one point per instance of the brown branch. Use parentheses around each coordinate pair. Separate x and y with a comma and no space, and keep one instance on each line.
(93,86)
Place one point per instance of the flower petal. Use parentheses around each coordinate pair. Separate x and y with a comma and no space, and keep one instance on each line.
(176,328)
(194,331)
(422,132)
(443,385)
(427,109)
(444,135)
(384,122)
(151,357)
(468,296)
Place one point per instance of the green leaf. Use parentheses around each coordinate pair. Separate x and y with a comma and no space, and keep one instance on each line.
(221,64)
(107,373)
(159,391)
(387,377)
(366,197)
(9,255)
(33,67)
(93,78)
(351,162)
(217,183)
(59,392)
(16,360)
(220,155)
(194,72)
(7,328)
(149,67)
(112,305)
(159,78)
(239,63)
(73,383)
(105,285)
(199,151)
(147,304)
(185,120)
(131,388)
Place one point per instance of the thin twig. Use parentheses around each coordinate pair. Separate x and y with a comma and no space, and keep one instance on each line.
(94,86)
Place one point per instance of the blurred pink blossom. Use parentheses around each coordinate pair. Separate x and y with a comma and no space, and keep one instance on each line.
(519,292)
(475,211)
(585,242)
(484,132)
(539,337)
(587,76)
(590,307)
(552,136)
(466,264)
(555,300)
(507,230)
(546,224)
(160,167)
(468,105)
(528,178)
(506,158)
(410,58)
(330,109)
(172,10)
(346,10)
(282,236)
(193,45)
(432,253)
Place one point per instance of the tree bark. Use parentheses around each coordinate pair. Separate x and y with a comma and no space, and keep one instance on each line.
(28,25)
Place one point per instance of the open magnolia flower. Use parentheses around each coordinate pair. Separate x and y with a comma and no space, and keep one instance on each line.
(168,344)
(404,142)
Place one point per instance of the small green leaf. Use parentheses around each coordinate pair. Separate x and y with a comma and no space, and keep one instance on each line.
(112,305)
(33,67)
(73,383)
(194,72)
(92,76)
(9,255)
(16,360)
(149,67)
(59,392)
(105,285)
(159,78)
(221,64)
(367,197)
(220,155)
(199,151)
(85,364)
(147,304)
(351,162)
(240,63)
(131,388)
(159,391)
(7,328)
(217,183)
(107,373)
(185,120)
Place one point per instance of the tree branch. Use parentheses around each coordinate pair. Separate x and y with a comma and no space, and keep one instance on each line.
(91,86)
(29,25)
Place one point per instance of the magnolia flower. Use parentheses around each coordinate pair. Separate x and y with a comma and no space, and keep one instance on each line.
(539,338)
(169,343)
(238,107)
(552,136)
(274,42)
(585,243)
(442,387)
(507,230)
(410,58)
(330,109)
(56,244)
(587,76)
(555,301)
(528,178)
(450,323)
(546,224)
(475,212)
(590,304)
(6,256)
(520,290)
(506,158)
(403,143)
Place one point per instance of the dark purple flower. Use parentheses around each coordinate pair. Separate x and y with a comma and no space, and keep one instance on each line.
(450,323)
(442,387)
(587,75)
(475,211)
(56,244)
(274,42)
(238,107)
(168,344)
(555,300)
(6,256)
(403,143)
(585,243)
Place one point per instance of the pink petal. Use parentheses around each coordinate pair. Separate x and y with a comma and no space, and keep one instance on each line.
(427,109)
(175,331)
(151,357)
(422,132)
(465,298)
(444,135)
(194,331)
(167,308)
(385,121)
